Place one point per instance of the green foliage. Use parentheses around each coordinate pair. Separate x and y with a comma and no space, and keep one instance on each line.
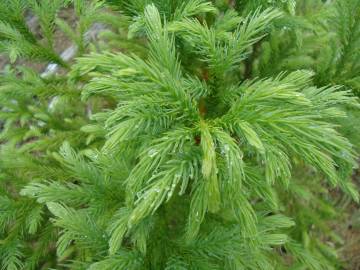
(210,140)
(339,63)
(17,38)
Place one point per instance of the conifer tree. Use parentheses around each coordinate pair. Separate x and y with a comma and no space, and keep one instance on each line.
(207,140)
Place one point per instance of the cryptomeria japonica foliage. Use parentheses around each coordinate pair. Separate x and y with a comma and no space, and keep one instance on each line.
(191,135)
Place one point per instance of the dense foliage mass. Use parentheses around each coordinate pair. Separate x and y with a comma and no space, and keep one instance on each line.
(188,134)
